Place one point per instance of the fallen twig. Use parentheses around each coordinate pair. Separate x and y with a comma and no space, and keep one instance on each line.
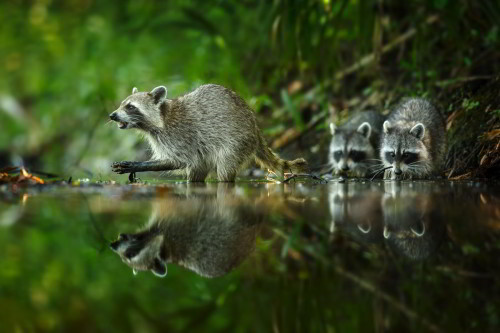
(368,59)
(292,135)
(17,169)
(305,175)
(445,83)
(386,297)
(23,177)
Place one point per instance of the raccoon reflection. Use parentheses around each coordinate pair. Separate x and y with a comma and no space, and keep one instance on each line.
(355,208)
(413,225)
(208,235)
(354,145)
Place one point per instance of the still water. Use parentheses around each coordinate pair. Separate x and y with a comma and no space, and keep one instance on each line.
(251,257)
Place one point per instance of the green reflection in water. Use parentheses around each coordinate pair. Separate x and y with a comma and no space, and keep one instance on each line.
(354,257)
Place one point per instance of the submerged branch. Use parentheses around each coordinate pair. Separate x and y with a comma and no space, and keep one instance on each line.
(305,175)
(386,297)
(370,287)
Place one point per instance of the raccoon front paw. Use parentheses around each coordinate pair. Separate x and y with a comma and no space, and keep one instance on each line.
(123,167)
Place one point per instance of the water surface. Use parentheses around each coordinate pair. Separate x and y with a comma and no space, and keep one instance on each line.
(251,257)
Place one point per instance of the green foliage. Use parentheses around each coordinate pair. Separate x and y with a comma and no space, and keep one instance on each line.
(67,64)
(469,104)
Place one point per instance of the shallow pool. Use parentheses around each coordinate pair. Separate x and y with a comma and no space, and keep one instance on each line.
(251,257)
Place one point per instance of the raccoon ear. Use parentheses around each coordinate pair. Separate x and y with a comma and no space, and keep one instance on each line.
(332,128)
(365,129)
(421,230)
(386,233)
(159,267)
(135,90)
(418,131)
(387,126)
(159,94)
(365,229)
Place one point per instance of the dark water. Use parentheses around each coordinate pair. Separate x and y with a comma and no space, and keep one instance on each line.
(252,257)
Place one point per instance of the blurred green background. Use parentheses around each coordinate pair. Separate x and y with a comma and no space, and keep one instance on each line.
(65,65)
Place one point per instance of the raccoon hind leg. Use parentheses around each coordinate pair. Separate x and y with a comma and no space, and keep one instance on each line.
(196,175)
(226,177)
(229,165)
(226,172)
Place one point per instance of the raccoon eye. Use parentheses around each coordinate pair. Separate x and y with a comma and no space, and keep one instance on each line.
(389,156)
(393,154)
(357,156)
(337,155)
(410,157)
(130,253)
(130,107)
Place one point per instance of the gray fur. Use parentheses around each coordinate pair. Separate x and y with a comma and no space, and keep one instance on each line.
(413,127)
(355,209)
(413,220)
(209,129)
(360,133)
(405,216)
(203,233)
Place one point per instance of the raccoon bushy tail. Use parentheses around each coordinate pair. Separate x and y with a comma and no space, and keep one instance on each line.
(268,159)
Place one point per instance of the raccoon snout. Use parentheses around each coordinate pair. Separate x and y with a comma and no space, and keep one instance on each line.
(123,237)
(398,171)
(113,116)
(114,246)
(344,166)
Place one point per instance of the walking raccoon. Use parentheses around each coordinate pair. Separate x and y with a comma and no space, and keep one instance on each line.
(355,143)
(205,234)
(209,129)
(413,143)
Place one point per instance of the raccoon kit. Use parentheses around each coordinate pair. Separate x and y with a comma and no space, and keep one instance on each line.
(355,143)
(209,129)
(413,143)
